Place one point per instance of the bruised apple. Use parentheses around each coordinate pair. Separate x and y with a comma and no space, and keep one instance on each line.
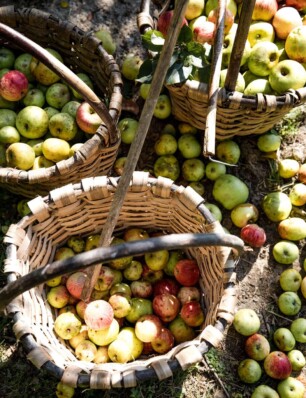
(187,272)
(164,341)
(192,313)
(253,235)
(98,314)
(166,306)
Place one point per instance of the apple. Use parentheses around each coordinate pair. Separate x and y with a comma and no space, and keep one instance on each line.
(34,96)
(7,58)
(189,146)
(188,293)
(144,90)
(130,66)
(98,314)
(291,388)
(167,166)
(50,111)
(55,149)
(166,285)
(64,390)
(228,44)
(157,260)
(293,228)
(249,371)
(71,107)
(269,142)
(285,252)
(302,173)
(264,391)
(204,33)
(166,144)
(289,303)
(193,169)
(32,122)
(253,235)
(75,283)
(87,118)
(261,85)
(54,281)
(228,151)
(63,126)
(276,206)
(284,20)
(67,325)
(288,168)
(290,280)
(147,327)
(277,365)
(133,271)
(106,40)
(121,287)
(303,287)
(76,243)
(41,72)
(58,296)
(181,331)
(300,5)
(128,128)
(264,10)
(212,4)
(174,257)
(128,335)
(80,308)
(57,95)
(105,336)
(260,31)
(85,351)
(284,339)
(106,279)
(295,45)
(297,359)
(87,80)
(246,322)
(163,341)
(240,83)
(213,170)
(166,306)
(250,77)
(194,9)
(244,214)
(228,19)
(230,191)
(139,307)
(192,313)
(163,107)
(20,155)
(120,263)
(215,211)
(62,253)
(7,118)
(101,355)
(119,165)
(121,304)
(197,186)
(187,272)
(298,329)
(257,347)
(263,57)
(119,351)
(287,74)
(151,276)
(13,85)
(163,22)
(22,63)
(297,194)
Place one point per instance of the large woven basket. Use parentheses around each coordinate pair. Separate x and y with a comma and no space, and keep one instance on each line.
(237,113)
(82,52)
(82,209)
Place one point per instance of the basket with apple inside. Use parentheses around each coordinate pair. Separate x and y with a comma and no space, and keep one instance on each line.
(60,100)
(165,293)
(261,54)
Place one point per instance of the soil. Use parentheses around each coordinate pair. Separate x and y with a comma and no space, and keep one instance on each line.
(257,272)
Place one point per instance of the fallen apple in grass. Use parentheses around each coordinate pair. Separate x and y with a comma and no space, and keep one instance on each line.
(276,206)
(289,303)
(277,365)
(264,391)
(257,347)
(293,228)
(228,151)
(253,234)
(291,387)
(284,339)
(297,359)
(290,280)
(249,371)
(285,252)
(297,194)
(269,142)
(246,321)
(288,168)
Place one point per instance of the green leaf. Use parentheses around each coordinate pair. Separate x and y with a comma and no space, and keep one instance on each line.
(146,71)
(195,49)
(185,35)
(195,61)
(153,40)
(178,74)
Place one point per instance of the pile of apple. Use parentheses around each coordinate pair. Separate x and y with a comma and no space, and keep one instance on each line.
(139,306)
(275,51)
(42,119)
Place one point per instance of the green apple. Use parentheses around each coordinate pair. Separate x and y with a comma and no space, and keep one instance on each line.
(71,107)
(87,80)
(163,107)
(194,9)
(193,169)
(297,194)
(214,170)
(293,228)
(290,280)
(240,83)
(103,337)
(289,303)
(34,97)
(243,214)
(249,77)
(212,4)
(228,151)
(128,335)
(260,31)
(32,122)
(264,391)
(291,387)
(287,74)
(165,145)
(295,45)
(57,95)
(269,142)
(133,271)
(276,206)
(197,186)
(139,307)
(7,117)
(120,263)
(215,210)
(258,86)
(189,146)
(20,155)
(9,135)
(119,351)
(167,166)
(230,191)
(174,257)
(157,260)
(246,322)
(63,126)
(144,90)
(181,331)
(128,129)
(67,325)
(288,168)
(285,252)
(41,72)
(86,351)
(297,359)
(22,63)
(7,58)
(284,339)
(227,49)
(249,371)
(130,66)
(50,111)
(263,57)
(55,149)
(106,40)
(298,329)
(64,390)
(41,162)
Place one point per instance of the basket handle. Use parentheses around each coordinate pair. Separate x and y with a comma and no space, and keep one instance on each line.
(105,254)
(62,70)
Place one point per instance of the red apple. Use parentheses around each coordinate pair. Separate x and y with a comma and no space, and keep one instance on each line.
(186,272)
(164,20)
(277,365)
(192,313)
(264,10)
(205,33)
(141,289)
(166,306)
(163,342)
(298,4)
(87,119)
(189,293)
(13,85)
(75,283)
(257,347)
(253,235)
(98,314)
(166,285)
(147,349)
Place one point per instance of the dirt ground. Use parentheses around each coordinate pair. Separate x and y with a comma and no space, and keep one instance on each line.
(257,272)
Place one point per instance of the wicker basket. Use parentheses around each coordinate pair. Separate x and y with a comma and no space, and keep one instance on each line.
(82,209)
(237,114)
(82,52)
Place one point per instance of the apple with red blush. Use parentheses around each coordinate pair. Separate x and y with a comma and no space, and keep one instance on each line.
(13,85)
(300,5)
(277,365)
(187,272)
(163,342)
(147,327)
(141,289)
(87,118)
(253,235)
(257,347)
(166,285)
(164,21)
(166,306)
(192,313)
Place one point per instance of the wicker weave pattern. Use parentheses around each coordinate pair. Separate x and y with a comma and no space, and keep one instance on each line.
(82,209)
(82,52)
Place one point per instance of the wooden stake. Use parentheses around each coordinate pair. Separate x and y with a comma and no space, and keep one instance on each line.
(137,144)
